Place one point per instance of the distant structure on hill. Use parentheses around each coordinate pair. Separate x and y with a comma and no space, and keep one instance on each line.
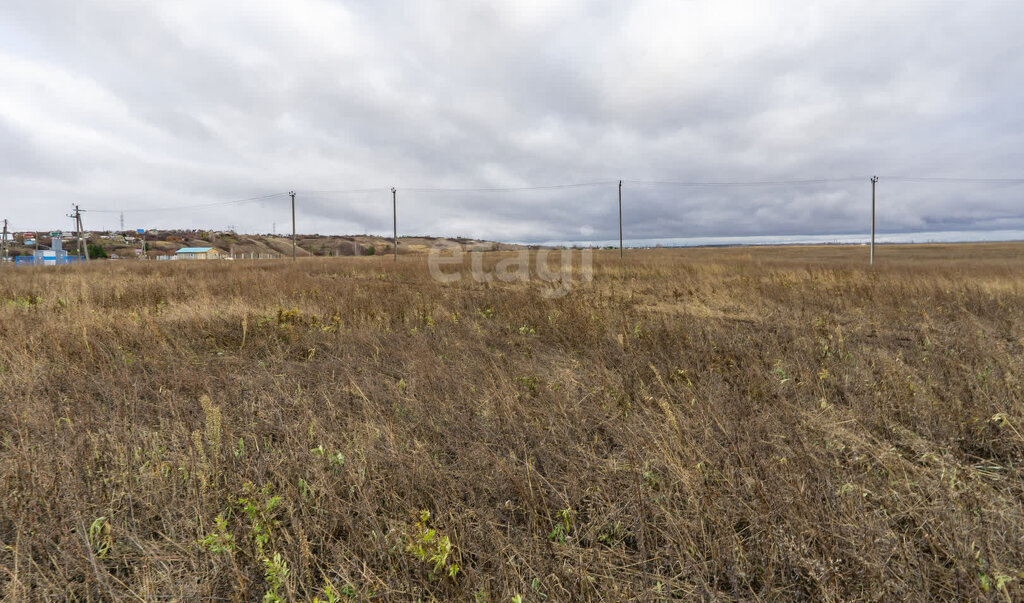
(54,256)
(197,253)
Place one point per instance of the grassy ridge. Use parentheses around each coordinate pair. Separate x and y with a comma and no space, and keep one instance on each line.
(727,423)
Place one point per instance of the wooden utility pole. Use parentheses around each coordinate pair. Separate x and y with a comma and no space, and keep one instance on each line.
(83,247)
(620,219)
(874,180)
(74,232)
(394,218)
(81,236)
(293,224)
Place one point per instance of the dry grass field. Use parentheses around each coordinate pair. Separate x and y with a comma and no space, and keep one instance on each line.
(717,424)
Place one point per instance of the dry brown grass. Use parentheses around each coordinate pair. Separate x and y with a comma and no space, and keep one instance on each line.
(718,424)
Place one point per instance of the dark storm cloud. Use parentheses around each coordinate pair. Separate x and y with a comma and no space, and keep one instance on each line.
(118,105)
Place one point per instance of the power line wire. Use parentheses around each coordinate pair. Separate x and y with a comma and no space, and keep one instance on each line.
(344,191)
(680,183)
(953,180)
(743,182)
(509,189)
(181,207)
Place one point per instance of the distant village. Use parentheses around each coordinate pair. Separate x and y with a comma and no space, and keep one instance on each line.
(56,247)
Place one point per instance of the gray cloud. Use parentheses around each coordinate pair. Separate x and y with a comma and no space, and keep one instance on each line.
(124,106)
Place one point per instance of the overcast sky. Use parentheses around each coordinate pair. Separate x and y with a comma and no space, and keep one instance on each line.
(125,105)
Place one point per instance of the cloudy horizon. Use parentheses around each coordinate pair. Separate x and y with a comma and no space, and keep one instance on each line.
(171,112)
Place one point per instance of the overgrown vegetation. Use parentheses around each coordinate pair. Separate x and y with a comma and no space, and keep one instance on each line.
(729,424)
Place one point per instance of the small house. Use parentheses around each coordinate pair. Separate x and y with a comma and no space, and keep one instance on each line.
(197,253)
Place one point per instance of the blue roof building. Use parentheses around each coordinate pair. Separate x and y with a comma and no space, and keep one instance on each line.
(197,253)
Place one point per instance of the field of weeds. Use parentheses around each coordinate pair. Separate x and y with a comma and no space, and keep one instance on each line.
(730,424)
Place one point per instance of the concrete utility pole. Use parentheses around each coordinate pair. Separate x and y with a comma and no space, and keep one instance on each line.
(293,224)
(5,241)
(620,219)
(394,217)
(874,180)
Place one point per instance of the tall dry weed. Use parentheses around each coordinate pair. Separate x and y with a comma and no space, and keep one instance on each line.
(718,424)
